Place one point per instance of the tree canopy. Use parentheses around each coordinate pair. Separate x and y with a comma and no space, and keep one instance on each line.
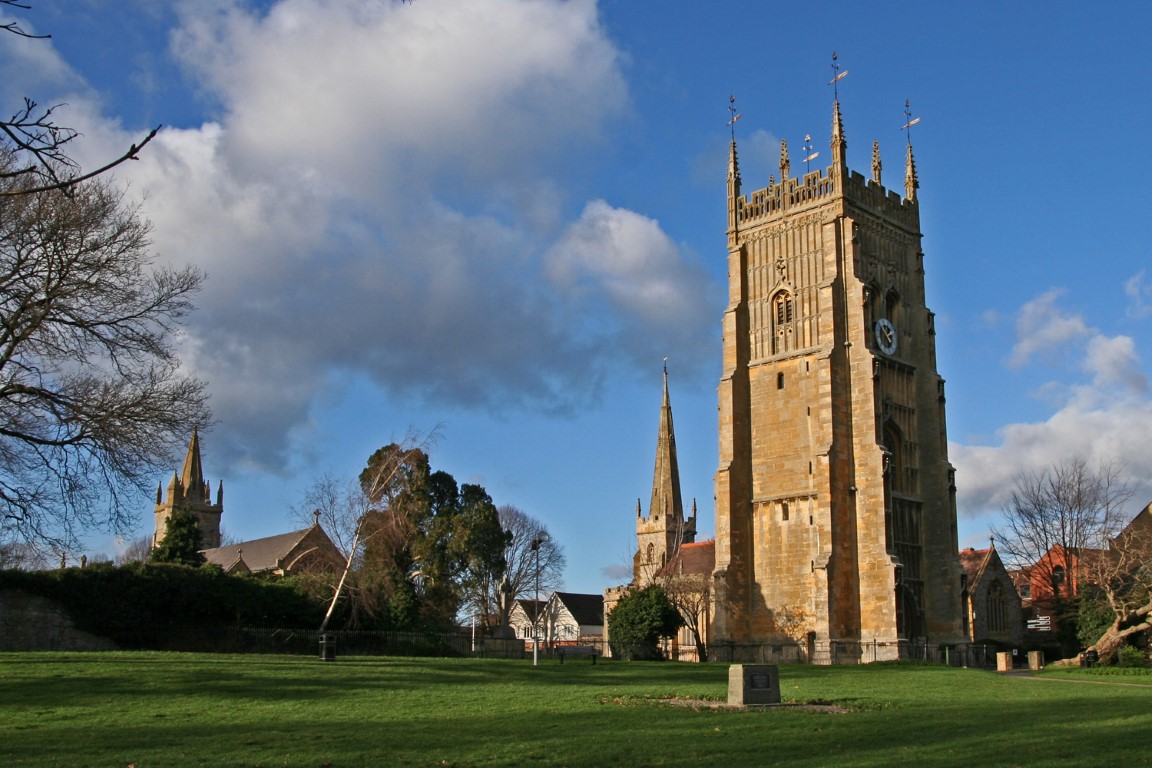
(639,621)
(181,542)
(417,542)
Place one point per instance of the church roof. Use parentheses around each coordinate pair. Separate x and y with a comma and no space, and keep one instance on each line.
(586,609)
(697,558)
(257,555)
(972,561)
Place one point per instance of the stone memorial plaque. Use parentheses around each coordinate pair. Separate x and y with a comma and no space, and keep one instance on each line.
(751,684)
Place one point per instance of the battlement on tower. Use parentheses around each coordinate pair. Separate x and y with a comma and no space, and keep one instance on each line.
(817,188)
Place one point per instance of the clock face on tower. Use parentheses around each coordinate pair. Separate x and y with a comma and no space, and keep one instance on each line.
(885,336)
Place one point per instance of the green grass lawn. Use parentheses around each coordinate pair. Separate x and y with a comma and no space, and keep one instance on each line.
(155,709)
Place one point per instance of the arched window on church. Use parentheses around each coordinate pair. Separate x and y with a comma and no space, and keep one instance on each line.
(894,444)
(997,608)
(651,552)
(783,323)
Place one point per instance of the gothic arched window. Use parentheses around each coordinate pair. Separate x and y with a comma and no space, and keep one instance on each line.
(783,322)
(997,608)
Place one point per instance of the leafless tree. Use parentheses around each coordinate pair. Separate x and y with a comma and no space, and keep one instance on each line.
(493,599)
(135,550)
(92,399)
(691,593)
(1056,514)
(34,147)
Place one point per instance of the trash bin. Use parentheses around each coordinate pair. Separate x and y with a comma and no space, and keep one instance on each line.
(327,647)
(1090,658)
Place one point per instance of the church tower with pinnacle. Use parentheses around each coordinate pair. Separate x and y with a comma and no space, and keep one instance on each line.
(660,534)
(189,492)
(835,499)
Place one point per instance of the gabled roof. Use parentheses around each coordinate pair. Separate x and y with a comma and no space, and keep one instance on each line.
(588,610)
(257,555)
(974,561)
(698,558)
(531,608)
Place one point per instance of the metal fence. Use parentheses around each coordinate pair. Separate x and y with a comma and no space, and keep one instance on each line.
(359,643)
(856,652)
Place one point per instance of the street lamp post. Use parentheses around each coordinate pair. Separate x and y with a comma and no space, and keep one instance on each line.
(537,541)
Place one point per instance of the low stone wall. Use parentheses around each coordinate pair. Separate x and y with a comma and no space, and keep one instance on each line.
(33,623)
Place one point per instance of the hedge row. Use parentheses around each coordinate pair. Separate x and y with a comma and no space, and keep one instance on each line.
(161,605)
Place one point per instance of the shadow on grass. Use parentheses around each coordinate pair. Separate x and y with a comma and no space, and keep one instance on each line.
(200,710)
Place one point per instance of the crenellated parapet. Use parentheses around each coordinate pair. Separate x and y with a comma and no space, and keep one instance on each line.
(787,196)
(793,196)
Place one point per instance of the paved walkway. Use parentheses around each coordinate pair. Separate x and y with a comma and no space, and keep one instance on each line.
(1027,675)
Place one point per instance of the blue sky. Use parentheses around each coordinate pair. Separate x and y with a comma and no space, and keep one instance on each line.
(500,216)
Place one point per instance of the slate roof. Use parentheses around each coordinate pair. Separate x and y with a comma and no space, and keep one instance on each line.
(588,610)
(257,555)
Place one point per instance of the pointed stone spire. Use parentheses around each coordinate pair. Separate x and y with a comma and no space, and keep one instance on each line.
(159,493)
(877,167)
(911,181)
(785,163)
(220,494)
(733,187)
(638,512)
(839,143)
(666,475)
(192,476)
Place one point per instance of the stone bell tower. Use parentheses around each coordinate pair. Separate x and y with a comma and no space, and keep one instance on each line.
(189,492)
(835,500)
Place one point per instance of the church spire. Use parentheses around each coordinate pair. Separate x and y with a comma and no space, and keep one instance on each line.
(666,475)
(877,166)
(192,476)
(785,163)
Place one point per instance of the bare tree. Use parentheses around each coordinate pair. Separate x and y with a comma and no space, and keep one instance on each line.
(135,550)
(494,597)
(691,593)
(34,147)
(1055,515)
(92,399)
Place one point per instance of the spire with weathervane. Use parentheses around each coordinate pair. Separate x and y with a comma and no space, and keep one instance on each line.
(911,181)
(665,529)
(839,144)
(733,168)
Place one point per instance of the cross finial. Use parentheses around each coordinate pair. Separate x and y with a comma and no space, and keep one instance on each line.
(733,115)
(837,75)
(665,366)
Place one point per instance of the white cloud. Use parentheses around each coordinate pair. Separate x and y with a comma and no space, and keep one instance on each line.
(1113,361)
(1139,296)
(1043,329)
(1105,419)
(378,197)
